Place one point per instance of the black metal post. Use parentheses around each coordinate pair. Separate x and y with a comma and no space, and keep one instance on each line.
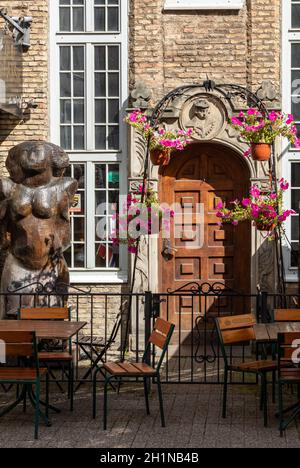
(148,317)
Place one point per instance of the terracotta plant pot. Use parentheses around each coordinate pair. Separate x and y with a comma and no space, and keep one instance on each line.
(261,151)
(265,227)
(160,157)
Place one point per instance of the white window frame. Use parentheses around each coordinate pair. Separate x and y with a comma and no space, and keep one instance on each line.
(204,4)
(91,156)
(289,155)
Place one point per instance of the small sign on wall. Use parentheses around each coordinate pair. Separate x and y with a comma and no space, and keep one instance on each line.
(76,206)
(204,4)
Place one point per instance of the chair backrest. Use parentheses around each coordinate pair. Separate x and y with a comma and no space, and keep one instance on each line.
(287,315)
(235,330)
(19,344)
(161,337)
(45,313)
(288,350)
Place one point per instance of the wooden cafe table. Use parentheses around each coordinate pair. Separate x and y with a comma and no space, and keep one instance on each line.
(268,332)
(47,330)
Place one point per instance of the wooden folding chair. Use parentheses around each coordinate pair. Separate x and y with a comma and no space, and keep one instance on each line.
(119,371)
(289,374)
(23,346)
(60,357)
(235,331)
(287,315)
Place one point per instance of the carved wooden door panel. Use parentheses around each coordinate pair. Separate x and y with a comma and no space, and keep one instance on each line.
(204,251)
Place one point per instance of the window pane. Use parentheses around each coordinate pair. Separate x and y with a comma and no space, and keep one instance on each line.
(78,2)
(65,85)
(78,19)
(296,55)
(294,254)
(66,137)
(296,175)
(79,229)
(100,255)
(78,58)
(113,85)
(101,229)
(65,58)
(67,255)
(65,19)
(79,256)
(100,203)
(113,111)
(114,176)
(78,138)
(113,202)
(113,19)
(100,176)
(100,137)
(78,85)
(99,2)
(296,16)
(100,85)
(100,58)
(65,112)
(296,109)
(79,175)
(99,19)
(295,228)
(296,82)
(78,111)
(295,200)
(113,58)
(113,138)
(100,111)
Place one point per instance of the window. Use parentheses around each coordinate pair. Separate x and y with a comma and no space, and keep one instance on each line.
(291,104)
(90,58)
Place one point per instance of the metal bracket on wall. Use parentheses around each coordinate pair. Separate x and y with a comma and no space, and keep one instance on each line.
(20,28)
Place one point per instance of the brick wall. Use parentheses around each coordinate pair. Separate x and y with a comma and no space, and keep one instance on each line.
(168,49)
(35,79)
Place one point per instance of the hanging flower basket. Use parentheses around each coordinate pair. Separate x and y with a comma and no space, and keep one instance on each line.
(261,151)
(260,131)
(265,209)
(160,157)
(265,227)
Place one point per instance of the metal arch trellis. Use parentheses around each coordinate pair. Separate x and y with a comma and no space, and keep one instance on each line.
(228,91)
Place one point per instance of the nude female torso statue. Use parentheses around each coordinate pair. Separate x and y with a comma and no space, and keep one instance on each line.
(35,223)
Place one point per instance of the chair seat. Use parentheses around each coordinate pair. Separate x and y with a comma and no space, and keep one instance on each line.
(290,375)
(88,340)
(129,369)
(256,366)
(19,373)
(55,357)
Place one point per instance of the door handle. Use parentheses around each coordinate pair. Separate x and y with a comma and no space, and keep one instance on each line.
(168,251)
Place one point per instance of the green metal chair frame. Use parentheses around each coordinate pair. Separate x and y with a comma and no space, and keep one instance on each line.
(288,374)
(241,329)
(23,346)
(156,339)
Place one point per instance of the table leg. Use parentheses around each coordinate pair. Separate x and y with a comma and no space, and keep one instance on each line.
(32,399)
(9,408)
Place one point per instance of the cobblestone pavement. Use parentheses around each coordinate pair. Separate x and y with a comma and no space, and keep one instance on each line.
(193,414)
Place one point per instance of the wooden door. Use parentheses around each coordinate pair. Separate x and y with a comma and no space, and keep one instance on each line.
(205,174)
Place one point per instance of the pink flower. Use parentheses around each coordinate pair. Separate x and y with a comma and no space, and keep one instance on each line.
(284,185)
(248,153)
(235,223)
(236,121)
(273,196)
(246,202)
(297,143)
(273,116)
(290,119)
(254,191)
(255,211)
(251,111)
(241,115)
(219,206)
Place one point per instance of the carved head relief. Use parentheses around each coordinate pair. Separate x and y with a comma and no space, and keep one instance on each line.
(205,114)
(35,163)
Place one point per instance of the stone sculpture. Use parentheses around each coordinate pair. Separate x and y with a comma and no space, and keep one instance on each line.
(35,223)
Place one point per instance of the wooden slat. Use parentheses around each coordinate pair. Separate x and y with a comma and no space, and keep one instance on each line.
(54,357)
(236,321)
(163,326)
(238,336)
(18,373)
(287,315)
(157,339)
(16,350)
(45,313)
(261,333)
(43,329)
(16,336)
(114,368)
(144,368)
(129,368)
